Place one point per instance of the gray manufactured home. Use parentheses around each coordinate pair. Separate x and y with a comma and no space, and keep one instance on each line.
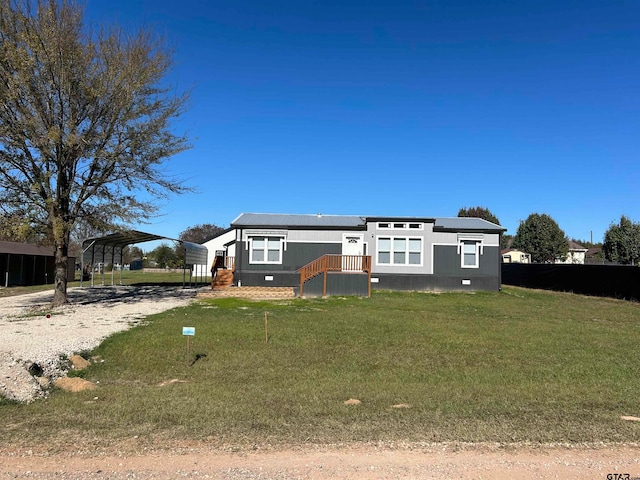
(336,254)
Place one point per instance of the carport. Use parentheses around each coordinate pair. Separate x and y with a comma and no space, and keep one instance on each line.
(110,248)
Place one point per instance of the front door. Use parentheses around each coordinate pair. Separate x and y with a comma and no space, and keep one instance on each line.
(352,251)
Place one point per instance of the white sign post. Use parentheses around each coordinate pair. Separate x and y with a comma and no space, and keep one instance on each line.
(188,332)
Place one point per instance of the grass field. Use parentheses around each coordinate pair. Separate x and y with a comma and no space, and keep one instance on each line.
(514,366)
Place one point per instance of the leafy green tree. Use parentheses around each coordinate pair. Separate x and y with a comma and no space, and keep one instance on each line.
(479,212)
(164,256)
(200,233)
(622,242)
(485,214)
(132,252)
(17,228)
(505,241)
(540,236)
(84,123)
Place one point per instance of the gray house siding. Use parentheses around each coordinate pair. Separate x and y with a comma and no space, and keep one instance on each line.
(448,274)
(294,257)
(435,283)
(447,262)
(338,284)
(442,243)
(425,234)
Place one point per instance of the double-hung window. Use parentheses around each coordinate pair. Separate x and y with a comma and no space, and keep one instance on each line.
(470,251)
(399,251)
(263,249)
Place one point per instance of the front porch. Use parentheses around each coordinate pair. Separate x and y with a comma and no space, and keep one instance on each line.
(329,275)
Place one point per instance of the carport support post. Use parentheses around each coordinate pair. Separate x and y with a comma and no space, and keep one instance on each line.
(113,264)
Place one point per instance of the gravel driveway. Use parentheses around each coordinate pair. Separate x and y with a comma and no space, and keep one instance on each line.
(31,332)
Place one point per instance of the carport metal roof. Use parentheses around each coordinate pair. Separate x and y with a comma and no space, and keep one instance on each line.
(109,248)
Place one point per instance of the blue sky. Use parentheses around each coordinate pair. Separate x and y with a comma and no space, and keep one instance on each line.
(402,108)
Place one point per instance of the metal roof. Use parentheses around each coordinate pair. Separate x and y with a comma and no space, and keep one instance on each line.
(293,220)
(108,249)
(18,248)
(467,224)
(387,218)
(122,239)
(273,220)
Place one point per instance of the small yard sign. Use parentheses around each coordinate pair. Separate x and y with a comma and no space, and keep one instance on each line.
(188,332)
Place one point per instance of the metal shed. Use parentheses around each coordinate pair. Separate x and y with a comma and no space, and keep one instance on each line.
(110,248)
(26,264)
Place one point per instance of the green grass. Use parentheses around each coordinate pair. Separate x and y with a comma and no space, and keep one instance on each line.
(515,366)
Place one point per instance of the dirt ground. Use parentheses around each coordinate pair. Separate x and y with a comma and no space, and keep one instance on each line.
(367,462)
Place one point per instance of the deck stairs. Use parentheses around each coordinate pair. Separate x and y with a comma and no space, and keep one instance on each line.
(222,280)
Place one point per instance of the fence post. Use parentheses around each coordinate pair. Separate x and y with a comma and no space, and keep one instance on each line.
(301,281)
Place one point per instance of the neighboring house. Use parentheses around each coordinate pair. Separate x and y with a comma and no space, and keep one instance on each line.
(577,254)
(511,255)
(396,253)
(27,264)
(136,264)
(595,256)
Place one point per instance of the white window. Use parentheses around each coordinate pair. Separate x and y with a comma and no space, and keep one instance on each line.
(470,251)
(399,251)
(265,249)
(415,251)
(400,226)
(384,251)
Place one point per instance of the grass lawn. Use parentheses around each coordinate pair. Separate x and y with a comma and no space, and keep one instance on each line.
(514,366)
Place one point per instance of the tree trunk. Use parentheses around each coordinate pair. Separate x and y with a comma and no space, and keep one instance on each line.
(60,282)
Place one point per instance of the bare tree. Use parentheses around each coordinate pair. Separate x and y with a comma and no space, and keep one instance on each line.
(84,123)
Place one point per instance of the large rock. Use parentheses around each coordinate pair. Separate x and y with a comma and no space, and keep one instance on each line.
(78,362)
(74,384)
(16,383)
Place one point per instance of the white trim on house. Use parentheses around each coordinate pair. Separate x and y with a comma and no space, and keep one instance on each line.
(400,225)
(267,249)
(407,251)
(477,250)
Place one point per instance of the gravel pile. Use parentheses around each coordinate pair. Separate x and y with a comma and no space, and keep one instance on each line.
(35,338)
